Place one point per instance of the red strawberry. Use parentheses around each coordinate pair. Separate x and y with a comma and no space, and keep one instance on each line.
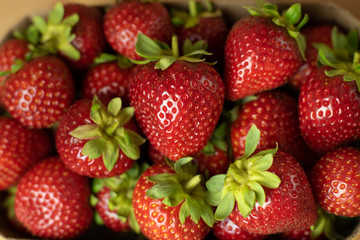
(260,55)
(227,230)
(178,107)
(276,115)
(212,163)
(98,142)
(172,204)
(39,93)
(53,202)
(125,20)
(20,148)
(285,202)
(335,180)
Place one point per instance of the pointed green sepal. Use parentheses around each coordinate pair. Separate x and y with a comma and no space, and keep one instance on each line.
(94,148)
(225,207)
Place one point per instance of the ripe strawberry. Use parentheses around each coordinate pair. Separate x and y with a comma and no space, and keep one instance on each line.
(98,142)
(53,202)
(39,93)
(125,20)
(276,115)
(335,180)
(284,204)
(261,55)
(20,148)
(172,203)
(178,106)
(227,230)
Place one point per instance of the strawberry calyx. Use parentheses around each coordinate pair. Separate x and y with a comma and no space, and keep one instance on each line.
(122,61)
(192,17)
(343,57)
(184,187)
(121,192)
(164,56)
(325,225)
(243,183)
(107,135)
(287,19)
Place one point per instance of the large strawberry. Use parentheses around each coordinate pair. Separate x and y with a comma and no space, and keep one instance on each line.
(329,101)
(177,100)
(20,148)
(172,202)
(39,93)
(53,202)
(263,51)
(265,193)
(96,141)
(125,20)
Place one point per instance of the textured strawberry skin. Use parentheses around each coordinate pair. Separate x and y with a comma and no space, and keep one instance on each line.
(291,206)
(329,110)
(158,221)
(20,148)
(335,180)
(301,235)
(125,20)
(53,202)
(39,93)
(70,148)
(258,56)
(276,115)
(178,108)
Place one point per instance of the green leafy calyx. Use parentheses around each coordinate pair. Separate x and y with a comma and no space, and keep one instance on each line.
(325,226)
(244,181)
(183,187)
(287,19)
(122,61)
(107,135)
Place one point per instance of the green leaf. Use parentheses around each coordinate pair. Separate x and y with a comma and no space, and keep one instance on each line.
(69,50)
(88,131)
(194,209)
(221,144)
(132,151)
(114,106)
(207,215)
(111,155)
(148,48)
(162,189)
(93,200)
(56,15)
(352,41)
(293,14)
(209,149)
(125,115)
(32,34)
(245,199)
(136,139)
(40,24)
(216,183)
(105,57)
(165,62)
(162,177)
(71,20)
(225,207)
(213,198)
(97,219)
(267,179)
(259,191)
(133,223)
(252,140)
(94,148)
(178,167)
(335,72)
(263,163)
(184,212)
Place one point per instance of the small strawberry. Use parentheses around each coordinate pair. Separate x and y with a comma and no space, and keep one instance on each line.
(263,51)
(335,180)
(20,148)
(39,93)
(329,101)
(172,203)
(177,100)
(125,20)
(53,202)
(96,141)
(285,202)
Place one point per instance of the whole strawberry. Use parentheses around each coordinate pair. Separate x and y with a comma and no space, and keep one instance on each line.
(39,93)
(20,148)
(53,202)
(177,102)
(96,141)
(284,203)
(125,20)
(260,53)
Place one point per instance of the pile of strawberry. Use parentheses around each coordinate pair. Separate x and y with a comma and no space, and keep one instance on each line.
(174,124)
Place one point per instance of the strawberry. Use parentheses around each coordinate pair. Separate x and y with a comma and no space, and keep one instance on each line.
(335,180)
(125,20)
(285,202)
(275,113)
(329,101)
(178,106)
(172,203)
(20,148)
(39,93)
(50,199)
(260,54)
(227,230)
(96,141)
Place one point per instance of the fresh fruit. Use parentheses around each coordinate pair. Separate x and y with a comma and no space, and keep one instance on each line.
(125,20)
(39,93)
(20,148)
(285,202)
(53,202)
(96,141)
(177,100)
(260,53)
(335,180)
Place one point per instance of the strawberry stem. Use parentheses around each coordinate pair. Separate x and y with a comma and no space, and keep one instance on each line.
(191,184)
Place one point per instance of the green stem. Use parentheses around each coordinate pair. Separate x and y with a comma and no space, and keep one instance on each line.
(191,184)
(193,8)
(175,46)
(111,129)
